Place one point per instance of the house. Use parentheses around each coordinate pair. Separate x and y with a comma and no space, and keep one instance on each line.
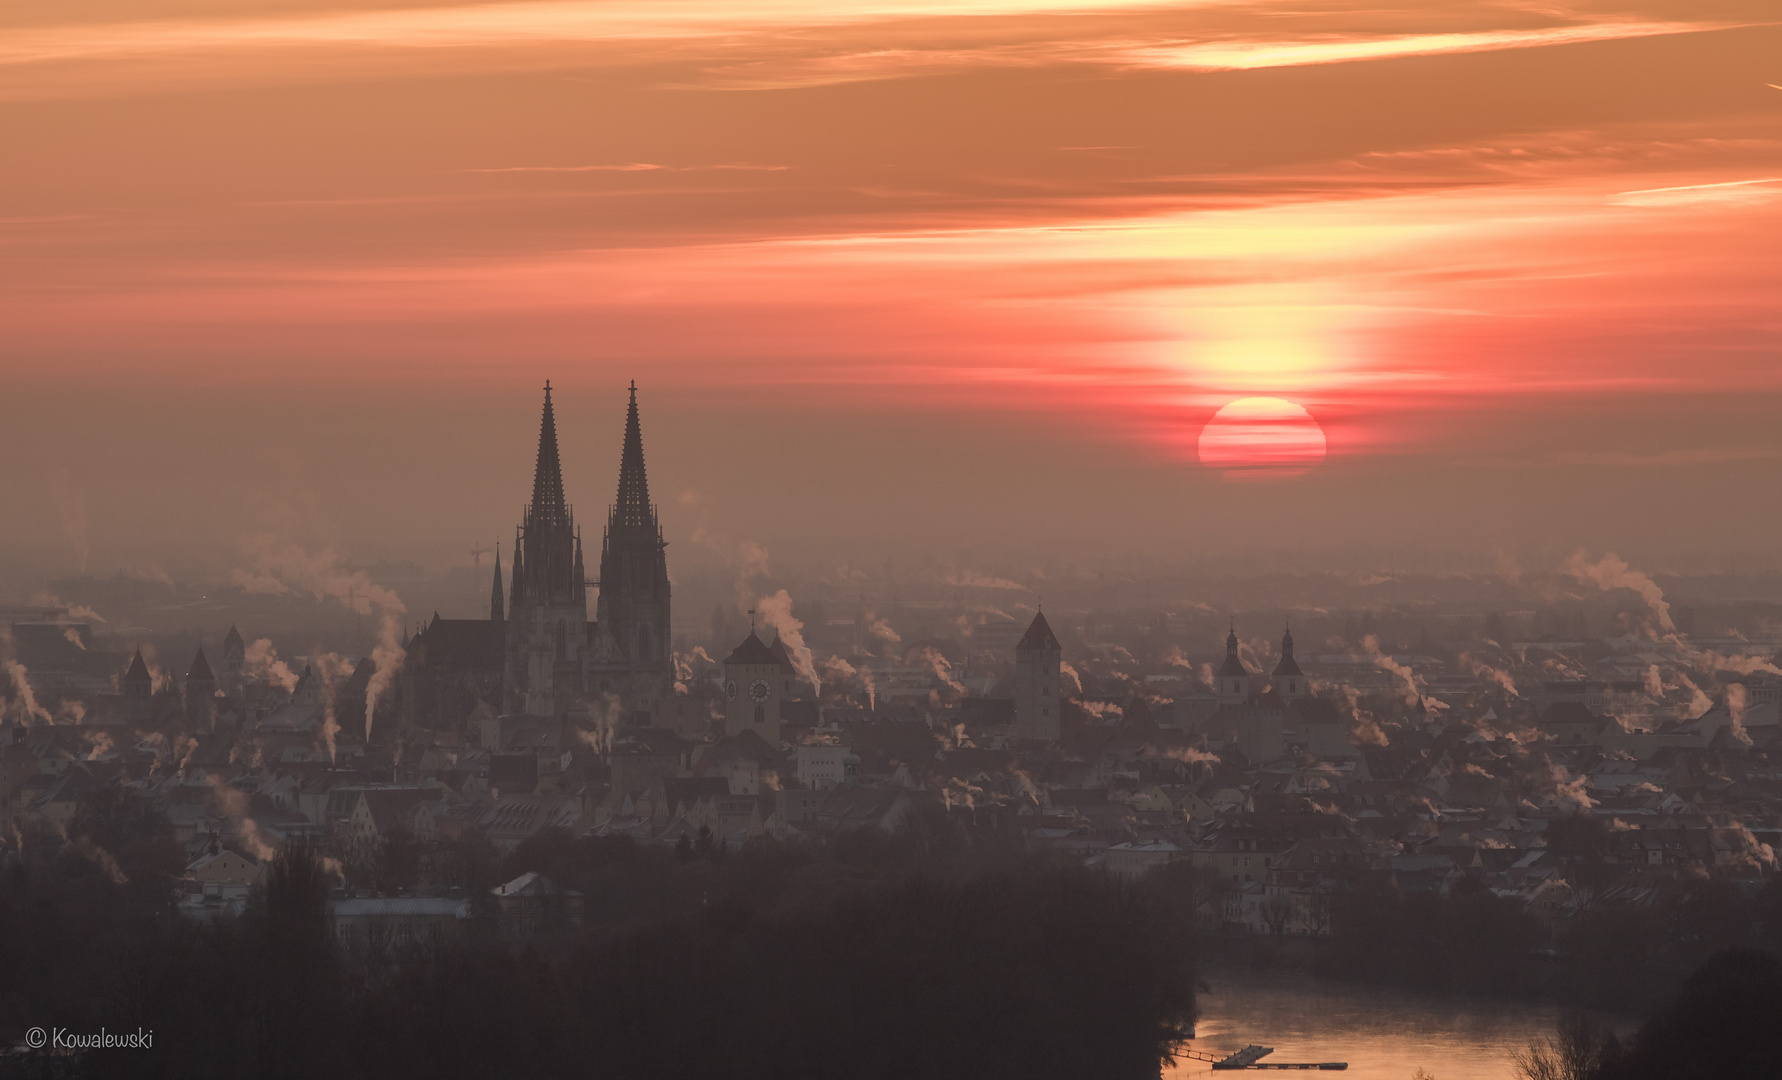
(533,907)
(381,812)
(516,818)
(225,873)
(1134,859)
(380,924)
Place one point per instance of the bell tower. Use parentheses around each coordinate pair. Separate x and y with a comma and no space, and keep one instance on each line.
(1232,684)
(1288,681)
(1039,673)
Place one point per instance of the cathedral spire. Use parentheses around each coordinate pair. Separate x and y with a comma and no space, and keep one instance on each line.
(547,481)
(633,506)
(497,613)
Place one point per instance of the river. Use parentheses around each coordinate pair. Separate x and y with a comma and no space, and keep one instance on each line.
(1383,1034)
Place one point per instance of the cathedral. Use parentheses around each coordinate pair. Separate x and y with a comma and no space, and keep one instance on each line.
(539,653)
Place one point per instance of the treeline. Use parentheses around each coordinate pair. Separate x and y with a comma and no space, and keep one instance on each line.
(1622,958)
(878,957)
(1724,1023)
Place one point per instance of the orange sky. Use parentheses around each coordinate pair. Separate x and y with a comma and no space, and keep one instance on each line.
(1507,254)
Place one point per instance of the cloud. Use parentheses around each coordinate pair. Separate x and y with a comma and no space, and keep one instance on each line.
(1238,56)
(636,166)
(1730,191)
(973,580)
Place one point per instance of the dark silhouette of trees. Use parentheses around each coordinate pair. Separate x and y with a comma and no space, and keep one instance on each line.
(1725,1024)
(880,956)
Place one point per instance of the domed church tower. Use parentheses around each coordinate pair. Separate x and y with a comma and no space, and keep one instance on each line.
(1232,684)
(1288,681)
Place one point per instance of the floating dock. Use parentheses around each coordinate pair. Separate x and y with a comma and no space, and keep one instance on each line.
(1250,1057)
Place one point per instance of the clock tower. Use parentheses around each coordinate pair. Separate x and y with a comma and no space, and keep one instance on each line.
(756,680)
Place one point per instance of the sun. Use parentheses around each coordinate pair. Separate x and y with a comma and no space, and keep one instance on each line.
(1262,437)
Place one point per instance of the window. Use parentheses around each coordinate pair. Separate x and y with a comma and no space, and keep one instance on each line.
(760,715)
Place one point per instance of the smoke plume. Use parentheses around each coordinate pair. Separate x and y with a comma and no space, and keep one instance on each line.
(1612,572)
(73,511)
(280,568)
(1412,695)
(776,611)
(260,661)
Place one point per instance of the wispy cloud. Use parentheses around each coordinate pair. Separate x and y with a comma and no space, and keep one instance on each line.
(1729,191)
(1245,55)
(732,42)
(634,166)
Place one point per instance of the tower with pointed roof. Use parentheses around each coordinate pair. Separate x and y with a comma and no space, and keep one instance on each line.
(234,654)
(1232,683)
(1039,677)
(1288,681)
(632,655)
(497,608)
(547,617)
(201,693)
(756,679)
(138,688)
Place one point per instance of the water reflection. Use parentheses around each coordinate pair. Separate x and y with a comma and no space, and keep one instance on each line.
(1382,1034)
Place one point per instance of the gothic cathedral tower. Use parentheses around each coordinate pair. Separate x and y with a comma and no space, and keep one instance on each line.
(632,656)
(547,616)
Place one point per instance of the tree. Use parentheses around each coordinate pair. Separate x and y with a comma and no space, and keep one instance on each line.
(1577,1050)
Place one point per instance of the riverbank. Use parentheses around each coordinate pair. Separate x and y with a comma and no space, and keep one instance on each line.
(1383,1033)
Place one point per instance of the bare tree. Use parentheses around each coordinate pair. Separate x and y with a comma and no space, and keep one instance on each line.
(1275,912)
(1577,1050)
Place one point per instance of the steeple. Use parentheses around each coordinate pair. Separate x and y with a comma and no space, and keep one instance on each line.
(518,592)
(547,480)
(497,612)
(632,610)
(633,505)
(1288,680)
(1232,684)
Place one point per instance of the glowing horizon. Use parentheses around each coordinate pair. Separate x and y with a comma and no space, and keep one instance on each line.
(1419,221)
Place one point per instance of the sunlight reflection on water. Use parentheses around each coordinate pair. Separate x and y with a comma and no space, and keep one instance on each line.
(1383,1034)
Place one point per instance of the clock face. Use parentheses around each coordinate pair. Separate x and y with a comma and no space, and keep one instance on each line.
(758,690)
(730,690)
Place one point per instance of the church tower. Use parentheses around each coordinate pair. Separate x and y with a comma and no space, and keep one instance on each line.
(497,609)
(755,677)
(631,614)
(1288,681)
(1232,684)
(138,687)
(548,600)
(201,693)
(1039,672)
